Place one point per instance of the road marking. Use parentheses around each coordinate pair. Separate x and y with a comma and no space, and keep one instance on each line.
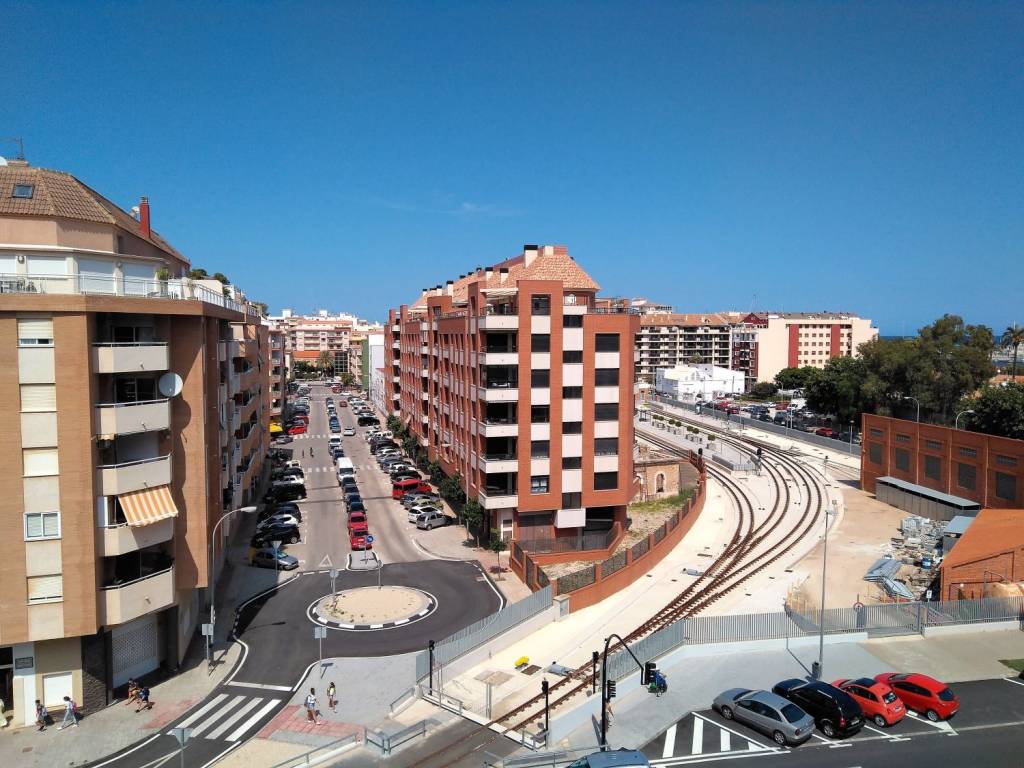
(1011,680)
(125,754)
(890,736)
(724,740)
(264,686)
(820,738)
(241,730)
(697,744)
(238,715)
(218,757)
(202,711)
(942,725)
(670,741)
(692,759)
(217,714)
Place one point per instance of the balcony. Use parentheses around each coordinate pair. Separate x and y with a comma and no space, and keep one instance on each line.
(570,518)
(492,428)
(499,358)
(116,479)
(498,499)
(130,600)
(130,357)
(424,396)
(396,346)
(396,379)
(499,322)
(499,392)
(396,396)
(498,462)
(424,373)
(396,328)
(126,418)
(122,539)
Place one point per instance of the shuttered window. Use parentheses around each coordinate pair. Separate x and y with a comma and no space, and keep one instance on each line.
(45,588)
(42,525)
(39,462)
(36,398)
(35,332)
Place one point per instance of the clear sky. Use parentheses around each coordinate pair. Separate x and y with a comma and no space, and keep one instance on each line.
(793,156)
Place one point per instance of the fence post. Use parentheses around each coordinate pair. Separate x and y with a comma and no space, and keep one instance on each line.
(920,618)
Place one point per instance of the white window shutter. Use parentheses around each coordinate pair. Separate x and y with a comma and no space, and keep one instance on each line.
(40,462)
(45,588)
(37,398)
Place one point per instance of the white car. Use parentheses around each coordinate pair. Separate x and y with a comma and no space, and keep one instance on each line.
(282,519)
(333,440)
(349,431)
(421,509)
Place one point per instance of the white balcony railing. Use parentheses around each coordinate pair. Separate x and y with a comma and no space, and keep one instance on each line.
(129,476)
(128,418)
(130,357)
(122,539)
(123,602)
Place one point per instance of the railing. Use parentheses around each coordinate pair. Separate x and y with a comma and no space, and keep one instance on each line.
(613,311)
(107,285)
(500,309)
(320,754)
(459,313)
(131,403)
(135,463)
(129,343)
(601,540)
(124,584)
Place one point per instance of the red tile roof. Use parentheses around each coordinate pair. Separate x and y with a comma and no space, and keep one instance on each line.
(993,531)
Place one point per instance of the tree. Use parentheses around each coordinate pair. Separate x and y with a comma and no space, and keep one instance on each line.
(795,378)
(997,411)
(1013,337)
(473,517)
(498,546)
(410,445)
(435,472)
(261,307)
(451,491)
(302,370)
(198,273)
(953,360)
(837,389)
(324,361)
(764,389)
(394,426)
(221,277)
(347,379)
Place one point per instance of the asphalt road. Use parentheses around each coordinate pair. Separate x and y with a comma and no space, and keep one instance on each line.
(988,732)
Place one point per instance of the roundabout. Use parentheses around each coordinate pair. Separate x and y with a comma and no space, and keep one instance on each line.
(369,609)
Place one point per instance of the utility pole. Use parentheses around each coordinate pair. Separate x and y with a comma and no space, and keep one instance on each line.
(824,571)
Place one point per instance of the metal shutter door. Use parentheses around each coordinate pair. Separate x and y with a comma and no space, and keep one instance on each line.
(35,328)
(135,649)
(39,462)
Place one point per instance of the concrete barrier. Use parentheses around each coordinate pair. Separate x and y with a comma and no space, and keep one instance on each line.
(966,629)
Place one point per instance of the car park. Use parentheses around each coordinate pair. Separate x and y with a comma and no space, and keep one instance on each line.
(877,700)
(268,557)
(835,712)
(430,520)
(923,694)
(781,720)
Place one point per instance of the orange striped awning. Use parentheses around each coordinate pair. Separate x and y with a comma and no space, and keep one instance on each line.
(150,505)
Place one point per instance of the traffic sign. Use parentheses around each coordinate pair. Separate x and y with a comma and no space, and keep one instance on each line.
(319,633)
(858,605)
(326,562)
(181,734)
(276,544)
(369,539)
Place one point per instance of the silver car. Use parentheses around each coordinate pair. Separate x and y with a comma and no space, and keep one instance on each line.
(766,712)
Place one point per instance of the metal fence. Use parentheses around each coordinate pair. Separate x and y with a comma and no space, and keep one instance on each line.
(319,754)
(614,563)
(576,580)
(876,620)
(479,632)
(600,540)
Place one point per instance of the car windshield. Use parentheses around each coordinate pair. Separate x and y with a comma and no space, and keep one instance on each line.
(947,695)
(889,697)
(792,713)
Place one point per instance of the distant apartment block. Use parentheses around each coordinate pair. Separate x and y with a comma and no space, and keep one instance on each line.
(365,354)
(137,411)
(516,381)
(306,337)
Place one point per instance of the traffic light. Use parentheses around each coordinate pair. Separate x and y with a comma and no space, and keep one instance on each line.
(647,676)
(544,687)
(610,690)
(759,451)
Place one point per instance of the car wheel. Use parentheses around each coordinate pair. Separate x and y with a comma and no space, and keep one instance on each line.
(293,540)
(880,721)
(727,713)
(828,729)
(932,715)
(780,738)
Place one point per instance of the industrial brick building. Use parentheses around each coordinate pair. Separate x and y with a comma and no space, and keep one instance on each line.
(989,553)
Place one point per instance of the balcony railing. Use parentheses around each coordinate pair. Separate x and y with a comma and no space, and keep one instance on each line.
(129,600)
(130,357)
(139,287)
(122,539)
(129,476)
(131,417)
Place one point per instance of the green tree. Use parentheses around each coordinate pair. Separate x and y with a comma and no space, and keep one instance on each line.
(498,546)
(473,517)
(303,370)
(394,426)
(410,445)
(1013,337)
(764,389)
(997,411)
(324,362)
(347,379)
(435,472)
(954,359)
(451,490)
(221,277)
(795,378)
(837,390)
(198,273)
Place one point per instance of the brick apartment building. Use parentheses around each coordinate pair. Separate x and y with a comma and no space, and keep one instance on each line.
(516,381)
(137,414)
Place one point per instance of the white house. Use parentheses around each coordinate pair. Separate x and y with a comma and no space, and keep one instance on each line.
(691,382)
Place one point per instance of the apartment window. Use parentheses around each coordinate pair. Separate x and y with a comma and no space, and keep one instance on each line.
(540,449)
(540,378)
(1006,487)
(966,476)
(875,453)
(572,393)
(572,356)
(540,305)
(572,428)
(572,321)
(539,484)
(606,411)
(1006,461)
(606,377)
(23,191)
(39,462)
(572,462)
(902,458)
(42,525)
(540,342)
(968,453)
(933,445)
(606,446)
(933,467)
(606,342)
(38,398)
(606,481)
(34,332)
(572,500)
(44,589)
(540,414)
(902,438)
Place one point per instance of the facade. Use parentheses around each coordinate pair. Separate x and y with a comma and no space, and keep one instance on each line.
(689,383)
(989,552)
(516,382)
(796,339)
(277,376)
(378,390)
(365,353)
(136,416)
(982,468)
(669,340)
(306,336)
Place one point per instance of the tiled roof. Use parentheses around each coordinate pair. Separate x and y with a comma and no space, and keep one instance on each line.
(706,318)
(61,195)
(993,531)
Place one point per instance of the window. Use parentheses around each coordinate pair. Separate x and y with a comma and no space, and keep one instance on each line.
(606,411)
(23,191)
(572,428)
(966,476)
(540,378)
(572,356)
(606,481)
(933,445)
(1006,461)
(1006,486)
(659,482)
(540,305)
(540,449)
(875,453)
(540,342)
(875,432)
(606,377)
(38,398)
(572,500)
(606,446)
(572,462)
(902,457)
(43,589)
(606,342)
(968,453)
(572,321)
(902,438)
(539,484)
(35,332)
(572,393)
(933,467)
(540,414)
(42,525)
(39,462)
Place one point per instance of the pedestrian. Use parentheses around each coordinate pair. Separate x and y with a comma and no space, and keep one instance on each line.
(303,453)
(332,700)
(311,453)
(311,710)
(69,714)
(133,692)
(41,715)
(144,702)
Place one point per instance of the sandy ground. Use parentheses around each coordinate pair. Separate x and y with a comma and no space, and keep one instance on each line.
(370,605)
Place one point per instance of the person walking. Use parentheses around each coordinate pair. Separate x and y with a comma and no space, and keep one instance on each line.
(332,697)
(69,714)
(133,692)
(311,710)
(41,715)
(144,702)
(311,453)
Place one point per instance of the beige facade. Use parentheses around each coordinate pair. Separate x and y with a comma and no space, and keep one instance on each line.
(787,340)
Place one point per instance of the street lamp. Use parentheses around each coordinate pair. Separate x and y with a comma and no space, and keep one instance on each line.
(824,569)
(908,397)
(956,421)
(213,537)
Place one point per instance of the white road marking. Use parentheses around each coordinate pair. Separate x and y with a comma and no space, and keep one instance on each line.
(133,749)
(942,725)
(670,741)
(820,738)
(218,757)
(202,711)
(697,743)
(724,740)
(1011,680)
(238,715)
(263,686)
(241,730)
(198,729)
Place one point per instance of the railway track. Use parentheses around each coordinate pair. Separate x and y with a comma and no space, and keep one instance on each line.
(737,563)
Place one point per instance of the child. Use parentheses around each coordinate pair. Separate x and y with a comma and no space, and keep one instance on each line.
(133,692)
(41,715)
(69,714)
(144,702)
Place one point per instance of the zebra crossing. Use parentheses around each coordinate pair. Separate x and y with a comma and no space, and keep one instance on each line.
(697,738)
(229,717)
(314,470)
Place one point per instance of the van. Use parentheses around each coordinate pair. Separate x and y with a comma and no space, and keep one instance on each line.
(402,487)
(344,467)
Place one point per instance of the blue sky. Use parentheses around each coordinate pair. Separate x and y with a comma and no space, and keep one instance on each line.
(794,156)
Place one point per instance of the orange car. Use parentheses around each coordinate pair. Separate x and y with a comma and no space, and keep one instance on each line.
(876,699)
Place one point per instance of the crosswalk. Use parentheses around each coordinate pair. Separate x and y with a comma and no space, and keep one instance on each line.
(697,739)
(228,717)
(314,470)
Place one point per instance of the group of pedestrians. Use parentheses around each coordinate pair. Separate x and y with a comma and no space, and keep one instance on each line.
(71,715)
(312,708)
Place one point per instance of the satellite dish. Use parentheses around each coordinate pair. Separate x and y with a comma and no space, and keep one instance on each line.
(170,384)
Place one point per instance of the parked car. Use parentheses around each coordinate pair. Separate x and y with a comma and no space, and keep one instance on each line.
(276,520)
(357,523)
(356,505)
(400,466)
(288,480)
(357,541)
(351,496)
(412,499)
(270,558)
(285,533)
(348,481)
(366,421)
(766,712)
(279,493)
(877,700)
(398,490)
(298,429)
(420,509)
(404,474)
(282,439)
(923,694)
(288,508)
(430,520)
(825,432)
(349,431)
(835,712)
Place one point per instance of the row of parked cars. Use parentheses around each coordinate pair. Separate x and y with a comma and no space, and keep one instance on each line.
(423,505)
(280,517)
(792,709)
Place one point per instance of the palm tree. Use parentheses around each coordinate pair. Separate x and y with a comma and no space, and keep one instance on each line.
(1013,337)
(324,361)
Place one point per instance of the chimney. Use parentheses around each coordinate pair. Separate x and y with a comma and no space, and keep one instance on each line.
(144,217)
(530,253)
(449,286)
(503,274)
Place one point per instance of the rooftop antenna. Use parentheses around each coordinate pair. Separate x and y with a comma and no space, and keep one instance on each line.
(21,145)
(753,304)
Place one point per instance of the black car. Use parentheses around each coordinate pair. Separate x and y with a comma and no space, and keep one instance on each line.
(352,495)
(280,493)
(356,505)
(835,712)
(368,421)
(405,474)
(285,533)
(286,472)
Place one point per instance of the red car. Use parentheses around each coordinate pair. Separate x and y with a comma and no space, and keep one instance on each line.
(298,429)
(358,541)
(922,694)
(876,699)
(825,432)
(357,523)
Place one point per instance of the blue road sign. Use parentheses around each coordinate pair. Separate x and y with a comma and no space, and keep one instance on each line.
(369,539)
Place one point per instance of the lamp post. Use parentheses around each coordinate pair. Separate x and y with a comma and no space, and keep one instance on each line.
(918,402)
(213,538)
(956,421)
(824,571)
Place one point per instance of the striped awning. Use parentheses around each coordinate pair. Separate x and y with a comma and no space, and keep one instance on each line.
(150,505)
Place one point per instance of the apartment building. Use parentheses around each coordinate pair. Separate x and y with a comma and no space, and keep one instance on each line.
(365,354)
(277,375)
(517,382)
(667,340)
(136,419)
(796,339)
(307,336)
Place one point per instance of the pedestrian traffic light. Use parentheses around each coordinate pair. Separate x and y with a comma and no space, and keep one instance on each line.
(544,687)
(610,690)
(647,676)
